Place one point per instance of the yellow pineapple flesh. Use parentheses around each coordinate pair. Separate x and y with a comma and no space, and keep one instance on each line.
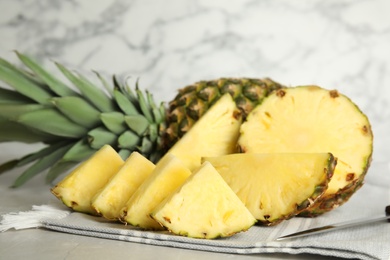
(114,196)
(79,187)
(168,175)
(215,133)
(204,207)
(312,119)
(274,186)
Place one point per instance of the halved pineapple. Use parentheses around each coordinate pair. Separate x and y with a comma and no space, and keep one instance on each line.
(310,119)
(275,187)
(204,207)
(215,133)
(169,174)
(122,186)
(79,187)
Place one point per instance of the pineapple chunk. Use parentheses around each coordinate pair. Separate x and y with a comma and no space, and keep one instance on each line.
(215,133)
(309,119)
(79,187)
(168,175)
(275,186)
(122,186)
(204,207)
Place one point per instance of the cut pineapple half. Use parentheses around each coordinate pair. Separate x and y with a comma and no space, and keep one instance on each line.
(275,187)
(114,196)
(169,174)
(310,119)
(79,187)
(204,207)
(215,133)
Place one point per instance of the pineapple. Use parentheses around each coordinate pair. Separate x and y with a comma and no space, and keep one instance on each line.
(75,122)
(168,175)
(79,187)
(114,196)
(204,207)
(216,133)
(310,119)
(276,186)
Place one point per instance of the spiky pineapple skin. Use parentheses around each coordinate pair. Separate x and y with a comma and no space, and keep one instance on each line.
(192,101)
(329,202)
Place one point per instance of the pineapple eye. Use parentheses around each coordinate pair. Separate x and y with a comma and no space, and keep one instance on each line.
(334,94)
(350,177)
(281,93)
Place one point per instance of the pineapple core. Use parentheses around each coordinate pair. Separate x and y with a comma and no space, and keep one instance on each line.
(204,207)
(79,187)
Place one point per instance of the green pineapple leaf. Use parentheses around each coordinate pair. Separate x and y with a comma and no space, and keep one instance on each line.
(80,151)
(54,84)
(53,122)
(25,86)
(100,136)
(114,121)
(97,97)
(78,110)
(60,167)
(41,165)
(8,96)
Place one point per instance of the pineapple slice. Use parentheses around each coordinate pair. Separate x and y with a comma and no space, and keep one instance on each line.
(215,133)
(276,186)
(309,119)
(168,175)
(79,187)
(122,186)
(204,207)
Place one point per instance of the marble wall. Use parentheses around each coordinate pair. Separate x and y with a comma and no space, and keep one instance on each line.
(337,44)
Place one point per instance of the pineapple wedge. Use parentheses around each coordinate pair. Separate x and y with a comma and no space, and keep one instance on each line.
(114,196)
(215,133)
(310,119)
(204,207)
(79,187)
(275,187)
(169,174)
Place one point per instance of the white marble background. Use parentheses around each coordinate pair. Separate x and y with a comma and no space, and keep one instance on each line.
(337,44)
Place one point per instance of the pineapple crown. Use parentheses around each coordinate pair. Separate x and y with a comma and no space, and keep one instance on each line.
(73,123)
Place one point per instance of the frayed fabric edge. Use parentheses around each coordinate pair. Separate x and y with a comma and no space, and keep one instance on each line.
(32,218)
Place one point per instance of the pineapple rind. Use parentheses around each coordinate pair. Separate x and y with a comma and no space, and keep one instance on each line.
(275,187)
(168,175)
(79,187)
(114,196)
(204,207)
(329,202)
(313,119)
